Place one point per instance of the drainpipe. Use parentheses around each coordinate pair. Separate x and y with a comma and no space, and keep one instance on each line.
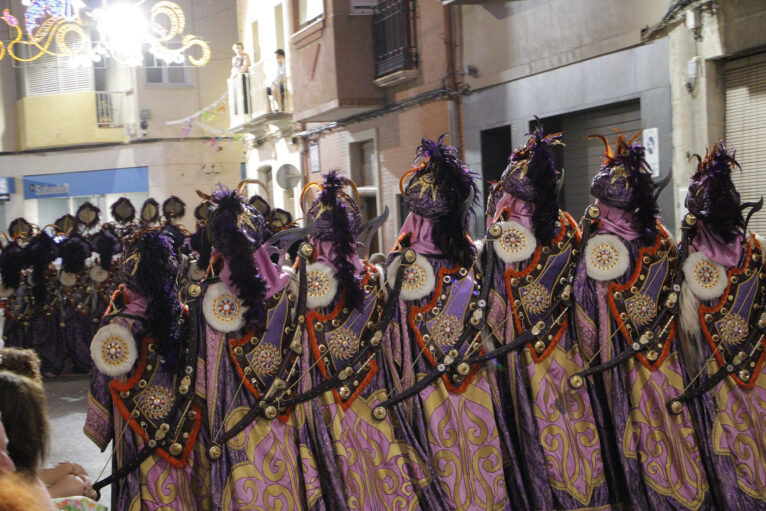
(451,33)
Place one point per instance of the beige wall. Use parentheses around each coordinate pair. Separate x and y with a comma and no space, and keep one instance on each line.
(510,40)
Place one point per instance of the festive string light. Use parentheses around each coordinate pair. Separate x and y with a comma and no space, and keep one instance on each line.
(55,27)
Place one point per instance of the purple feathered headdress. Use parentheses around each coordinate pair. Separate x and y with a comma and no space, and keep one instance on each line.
(40,252)
(106,244)
(712,196)
(74,251)
(337,219)
(625,182)
(531,176)
(123,211)
(439,190)
(236,230)
(149,267)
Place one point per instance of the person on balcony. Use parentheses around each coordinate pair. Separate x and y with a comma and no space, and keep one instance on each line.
(276,93)
(240,62)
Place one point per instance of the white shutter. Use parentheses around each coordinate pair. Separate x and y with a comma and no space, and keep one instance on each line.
(745,121)
(55,75)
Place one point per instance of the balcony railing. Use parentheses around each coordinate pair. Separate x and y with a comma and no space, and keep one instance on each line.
(394,36)
(109,109)
(259,95)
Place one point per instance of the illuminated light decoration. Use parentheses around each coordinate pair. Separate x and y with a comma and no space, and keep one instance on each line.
(55,27)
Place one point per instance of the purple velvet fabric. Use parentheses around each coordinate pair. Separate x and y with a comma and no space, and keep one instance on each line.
(715,248)
(419,228)
(561,448)
(654,461)
(616,221)
(516,210)
(155,485)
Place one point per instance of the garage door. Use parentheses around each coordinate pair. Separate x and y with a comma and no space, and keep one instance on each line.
(582,158)
(745,121)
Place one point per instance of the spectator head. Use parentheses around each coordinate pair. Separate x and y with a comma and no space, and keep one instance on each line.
(280,53)
(238,48)
(6,463)
(22,408)
(21,361)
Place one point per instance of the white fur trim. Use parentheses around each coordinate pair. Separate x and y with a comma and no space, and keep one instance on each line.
(419,279)
(606,257)
(705,278)
(98,274)
(516,243)
(67,279)
(114,350)
(689,310)
(195,273)
(321,285)
(223,311)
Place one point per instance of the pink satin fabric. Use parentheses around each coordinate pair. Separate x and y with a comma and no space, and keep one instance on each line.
(518,210)
(325,253)
(135,304)
(275,278)
(715,249)
(420,228)
(616,221)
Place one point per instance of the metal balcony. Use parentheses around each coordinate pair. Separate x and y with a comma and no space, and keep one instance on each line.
(395,42)
(250,104)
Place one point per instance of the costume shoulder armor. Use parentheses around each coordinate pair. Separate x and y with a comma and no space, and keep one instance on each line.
(114,350)
(418,280)
(606,257)
(223,311)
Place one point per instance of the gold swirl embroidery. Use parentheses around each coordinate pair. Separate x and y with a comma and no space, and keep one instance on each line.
(573,456)
(369,482)
(670,462)
(281,476)
(739,431)
(465,453)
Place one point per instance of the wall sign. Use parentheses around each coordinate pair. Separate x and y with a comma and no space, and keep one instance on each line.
(7,187)
(652,145)
(314,165)
(94,182)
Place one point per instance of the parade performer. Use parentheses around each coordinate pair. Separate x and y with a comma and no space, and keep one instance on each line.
(453,411)
(104,271)
(15,290)
(369,456)
(723,327)
(146,393)
(261,455)
(173,210)
(535,253)
(199,245)
(124,214)
(75,323)
(626,291)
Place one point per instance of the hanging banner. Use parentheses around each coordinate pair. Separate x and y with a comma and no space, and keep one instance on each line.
(93,182)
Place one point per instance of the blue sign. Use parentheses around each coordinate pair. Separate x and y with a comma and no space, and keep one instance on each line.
(93,182)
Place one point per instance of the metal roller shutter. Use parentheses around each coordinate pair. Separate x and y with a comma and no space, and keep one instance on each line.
(582,158)
(745,81)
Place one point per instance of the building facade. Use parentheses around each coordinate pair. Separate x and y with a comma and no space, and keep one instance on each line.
(717,66)
(62,120)
(370,79)
(579,65)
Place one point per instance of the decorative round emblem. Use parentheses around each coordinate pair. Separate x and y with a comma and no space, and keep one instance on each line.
(321,285)
(343,343)
(98,274)
(113,350)
(515,243)
(642,309)
(223,311)
(418,280)
(266,360)
(606,257)
(733,328)
(195,273)
(706,278)
(447,331)
(535,298)
(67,279)
(156,402)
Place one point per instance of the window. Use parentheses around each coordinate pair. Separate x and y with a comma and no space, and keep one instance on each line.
(50,74)
(159,72)
(393,31)
(308,11)
(362,163)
